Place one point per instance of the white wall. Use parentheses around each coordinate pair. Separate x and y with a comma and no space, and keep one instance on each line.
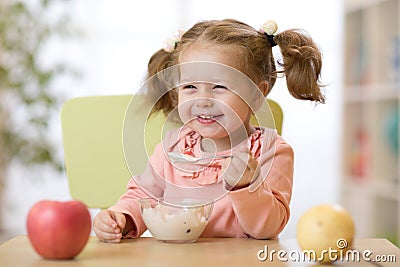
(121,35)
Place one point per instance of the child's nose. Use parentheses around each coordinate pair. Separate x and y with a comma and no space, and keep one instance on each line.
(204,97)
(204,102)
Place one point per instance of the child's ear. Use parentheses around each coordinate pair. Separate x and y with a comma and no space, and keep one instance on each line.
(264,88)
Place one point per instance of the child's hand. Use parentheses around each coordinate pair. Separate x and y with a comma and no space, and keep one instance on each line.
(108,226)
(240,170)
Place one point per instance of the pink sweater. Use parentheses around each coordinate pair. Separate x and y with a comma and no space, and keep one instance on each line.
(261,214)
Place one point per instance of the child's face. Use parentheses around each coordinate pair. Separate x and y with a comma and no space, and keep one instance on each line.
(211,97)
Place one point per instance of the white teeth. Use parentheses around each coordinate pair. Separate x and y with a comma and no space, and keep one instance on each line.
(206,117)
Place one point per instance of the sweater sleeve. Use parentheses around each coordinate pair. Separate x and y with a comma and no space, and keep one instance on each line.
(129,205)
(264,212)
(150,183)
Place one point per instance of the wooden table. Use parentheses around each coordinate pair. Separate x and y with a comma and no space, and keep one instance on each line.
(206,252)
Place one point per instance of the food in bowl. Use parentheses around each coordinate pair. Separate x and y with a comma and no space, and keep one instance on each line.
(177,220)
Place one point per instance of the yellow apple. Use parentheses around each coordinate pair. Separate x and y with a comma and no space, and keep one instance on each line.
(325,232)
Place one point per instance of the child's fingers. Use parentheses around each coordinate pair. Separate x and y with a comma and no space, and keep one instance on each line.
(226,162)
(252,164)
(120,219)
(248,159)
(239,163)
(104,222)
(107,219)
(234,171)
(238,166)
(105,231)
(109,237)
(242,169)
(106,228)
(244,153)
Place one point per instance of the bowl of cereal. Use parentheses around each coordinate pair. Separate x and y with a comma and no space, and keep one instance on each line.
(175,220)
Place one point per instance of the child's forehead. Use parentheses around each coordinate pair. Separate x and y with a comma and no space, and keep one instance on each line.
(211,52)
(212,72)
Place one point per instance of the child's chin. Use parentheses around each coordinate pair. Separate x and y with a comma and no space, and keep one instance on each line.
(213,134)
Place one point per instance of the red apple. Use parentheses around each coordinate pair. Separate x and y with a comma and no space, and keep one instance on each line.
(59,230)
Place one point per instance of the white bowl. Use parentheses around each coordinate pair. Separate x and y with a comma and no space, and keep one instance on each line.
(177,220)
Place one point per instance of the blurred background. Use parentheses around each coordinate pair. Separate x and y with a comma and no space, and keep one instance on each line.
(54,50)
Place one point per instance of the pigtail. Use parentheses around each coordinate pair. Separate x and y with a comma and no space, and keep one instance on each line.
(302,62)
(159,93)
(162,81)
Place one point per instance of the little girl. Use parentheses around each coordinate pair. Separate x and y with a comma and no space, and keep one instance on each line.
(257,180)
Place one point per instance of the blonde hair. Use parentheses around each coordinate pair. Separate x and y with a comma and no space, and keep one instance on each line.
(301,64)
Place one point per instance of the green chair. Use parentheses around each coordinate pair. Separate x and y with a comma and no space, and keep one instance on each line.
(93,129)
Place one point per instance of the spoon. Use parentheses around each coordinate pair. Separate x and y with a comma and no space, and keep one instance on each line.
(182,158)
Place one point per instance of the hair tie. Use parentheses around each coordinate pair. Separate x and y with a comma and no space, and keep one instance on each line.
(269,28)
(171,43)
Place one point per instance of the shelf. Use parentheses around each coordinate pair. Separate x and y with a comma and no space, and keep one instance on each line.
(369,93)
(353,5)
(372,44)
(375,189)
(371,111)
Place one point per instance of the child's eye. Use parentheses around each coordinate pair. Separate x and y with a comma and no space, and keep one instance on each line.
(218,88)
(188,86)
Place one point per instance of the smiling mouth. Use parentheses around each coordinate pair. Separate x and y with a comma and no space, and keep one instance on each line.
(207,119)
